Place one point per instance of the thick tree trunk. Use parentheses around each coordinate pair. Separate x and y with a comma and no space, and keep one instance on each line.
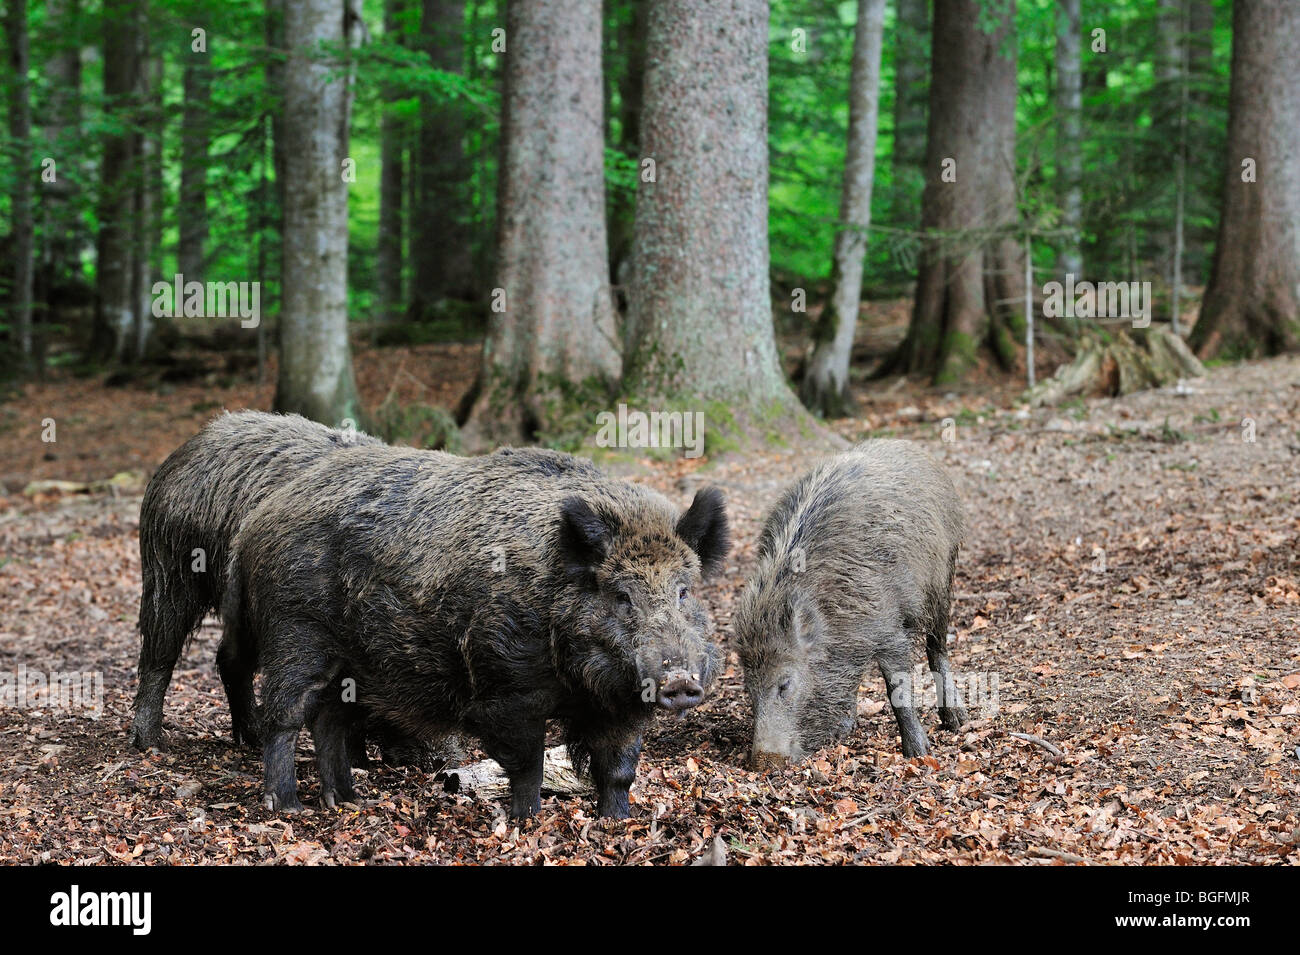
(192,214)
(315,359)
(700,322)
(825,388)
(1069,143)
(1252,304)
(392,146)
(119,168)
(441,251)
(20,197)
(911,66)
(972,276)
(557,325)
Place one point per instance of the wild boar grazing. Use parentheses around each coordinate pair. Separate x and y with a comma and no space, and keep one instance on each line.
(192,507)
(855,565)
(486,594)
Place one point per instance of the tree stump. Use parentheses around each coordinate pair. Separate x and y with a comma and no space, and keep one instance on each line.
(1119,363)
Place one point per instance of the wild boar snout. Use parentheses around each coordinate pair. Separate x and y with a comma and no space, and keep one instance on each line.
(679,691)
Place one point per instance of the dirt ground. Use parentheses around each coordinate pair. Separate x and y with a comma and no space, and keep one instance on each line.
(1130,589)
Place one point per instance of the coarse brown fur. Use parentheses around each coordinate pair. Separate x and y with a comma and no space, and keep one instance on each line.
(486,594)
(855,567)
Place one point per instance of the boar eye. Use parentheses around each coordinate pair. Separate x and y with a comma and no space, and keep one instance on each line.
(624,600)
(784,688)
(681,594)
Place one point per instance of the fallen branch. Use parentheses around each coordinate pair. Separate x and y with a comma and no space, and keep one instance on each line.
(1039,740)
(1041,853)
(488,779)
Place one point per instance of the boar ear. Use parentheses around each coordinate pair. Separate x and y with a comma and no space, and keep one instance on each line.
(704,528)
(585,537)
(805,621)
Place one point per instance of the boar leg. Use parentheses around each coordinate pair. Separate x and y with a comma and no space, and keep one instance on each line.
(330,731)
(146,728)
(951,711)
(521,755)
(290,694)
(899,685)
(237,677)
(613,770)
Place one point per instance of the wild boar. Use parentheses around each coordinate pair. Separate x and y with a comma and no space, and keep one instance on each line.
(192,507)
(855,566)
(485,594)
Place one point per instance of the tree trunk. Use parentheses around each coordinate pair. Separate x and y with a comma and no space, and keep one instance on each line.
(700,321)
(20,198)
(63,234)
(1252,304)
(558,320)
(825,388)
(195,124)
(625,72)
(147,225)
(911,49)
(441,250)
(392,144)
(119,168)
(1069,143)
(315,359)
(275,68)
(970,277)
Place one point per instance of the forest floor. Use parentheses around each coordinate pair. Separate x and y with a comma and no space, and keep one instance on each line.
(1130,589)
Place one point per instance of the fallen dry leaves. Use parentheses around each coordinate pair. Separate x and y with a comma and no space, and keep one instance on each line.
(1131,577)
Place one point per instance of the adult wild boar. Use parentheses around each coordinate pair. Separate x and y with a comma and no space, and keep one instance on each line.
(855,566)
(192,507)
(485,594)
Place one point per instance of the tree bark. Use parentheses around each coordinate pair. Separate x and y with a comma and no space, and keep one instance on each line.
(20,197)
(441,250)
(392,145)
(1252,304)
(700,318)
(970,273)
(911,49)
(825,387)
(558,321)
(114,307)
(315,377)
(192,213)
(1069,148)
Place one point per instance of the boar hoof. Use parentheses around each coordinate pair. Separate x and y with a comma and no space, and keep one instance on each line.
(332,799)
(274,803)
